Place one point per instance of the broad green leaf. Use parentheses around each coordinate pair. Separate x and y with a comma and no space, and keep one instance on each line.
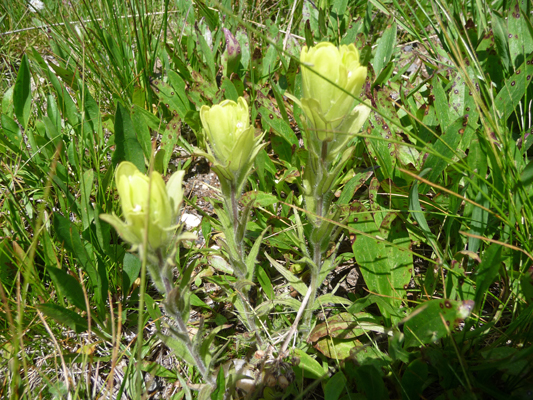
(265,283)
(385,48)
(170,96)
(384,261)
(127,147)
(433,319)
(378,145)
(335,386)
(64,316)
(12,133)
(69,235)
(130,271)
(69,287)
(353,185)
(22,92)
(513,90)
(441,104)
(92,116)
(279,126)
(501,40)
(346,326)
(178,348)
(526,283)
(413,379)
(370,382)
(141,125)
(259,198)
(230,92)
(308,365)
(520,37)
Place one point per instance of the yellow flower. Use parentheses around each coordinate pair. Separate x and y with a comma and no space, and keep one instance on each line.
(229,133)
(148,205)
(331,78)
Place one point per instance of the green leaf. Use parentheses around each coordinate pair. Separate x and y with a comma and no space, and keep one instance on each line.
(384,262)
(346,326)
(220,390)
(308,365)
(86,186)
(487,271)
(370,382)
(265,283)
(141,125)
(433,319)
(127,147)
(292,279)
(173,98)
(279,126)
(526,283)
(441,104)
(170,139)
(500,40)
(443,151)
(12,132)
(385,48)
(22,93)
(64,316)
(418,215)
(68,286)
(413,379)
(513,91)
(69,235)
(130,271)
(179,348)
(335,386)
(520,38)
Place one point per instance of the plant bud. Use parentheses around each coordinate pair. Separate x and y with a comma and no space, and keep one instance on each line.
(232,144)
(141,195)
(331,79)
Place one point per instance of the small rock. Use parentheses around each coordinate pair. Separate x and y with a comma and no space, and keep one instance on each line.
(191,221)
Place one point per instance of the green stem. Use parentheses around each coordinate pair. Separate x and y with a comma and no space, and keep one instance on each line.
(241,268)
(182,326)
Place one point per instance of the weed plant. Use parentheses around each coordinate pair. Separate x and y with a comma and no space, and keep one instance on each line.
(384,261)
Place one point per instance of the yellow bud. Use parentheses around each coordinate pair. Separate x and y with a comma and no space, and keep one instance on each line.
(147,205)
(229,133)
(331,78)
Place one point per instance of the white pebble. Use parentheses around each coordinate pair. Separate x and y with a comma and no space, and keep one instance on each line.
(191,220)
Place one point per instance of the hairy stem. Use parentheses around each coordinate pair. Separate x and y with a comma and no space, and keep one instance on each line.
(241,267)
(182,326)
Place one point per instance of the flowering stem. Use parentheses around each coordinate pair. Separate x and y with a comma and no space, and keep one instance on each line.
(180,323)
(241,268)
